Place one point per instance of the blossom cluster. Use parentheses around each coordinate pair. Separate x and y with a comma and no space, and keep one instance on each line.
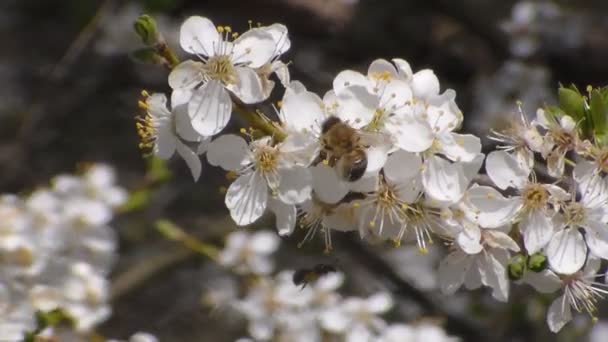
(380,154)
(276,309)
(56,250)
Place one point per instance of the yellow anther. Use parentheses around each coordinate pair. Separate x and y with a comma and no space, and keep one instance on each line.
(325,162)
(396,242)
(279,104)
(144,93)
(228,29)
(142,105)
(235,35)
(372,223)
(231,175)
(423,250)
(222,190)
(220,29)
(243,131)
(589,88)
(356,205)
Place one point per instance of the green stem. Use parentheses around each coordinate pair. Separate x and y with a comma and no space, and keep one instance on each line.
(258,122)
(171,231)
(164,50)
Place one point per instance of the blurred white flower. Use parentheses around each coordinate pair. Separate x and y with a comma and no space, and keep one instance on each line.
(249,253)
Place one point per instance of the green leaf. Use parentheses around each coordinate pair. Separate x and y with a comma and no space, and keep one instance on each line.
(146,29)
(572,102)
(599,115)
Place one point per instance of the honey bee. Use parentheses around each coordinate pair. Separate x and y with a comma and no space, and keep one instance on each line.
(344,148)
(305,276)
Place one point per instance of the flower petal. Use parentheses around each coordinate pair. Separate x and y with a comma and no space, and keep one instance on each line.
(405,70)
(247,198)
(558,314)
(186,75)
(229,151)
(493,271)
(491,209)
(198,35)
(505,171)
(452,271)
(425,84)
(544,282)
(460,147)
(395,170)
(253,48)
(349,78)
(280,36)
(411,134)
(303,111)
(210,108)
(537,228)
(443,181)
(379,303)
(286,216)
(328,187)
(295,185)
(183,125)
(597,238)
(356,106)
(191,159)
(264,242)
(566,251)
(249,87)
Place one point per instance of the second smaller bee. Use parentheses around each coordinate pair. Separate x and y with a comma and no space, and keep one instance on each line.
(305,276)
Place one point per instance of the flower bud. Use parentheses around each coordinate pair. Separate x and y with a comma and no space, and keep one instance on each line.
(517,267)
(146,29)
(537,262)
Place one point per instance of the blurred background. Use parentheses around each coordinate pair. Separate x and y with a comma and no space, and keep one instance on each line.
(70,92)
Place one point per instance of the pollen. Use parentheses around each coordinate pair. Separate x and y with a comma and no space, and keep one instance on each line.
(535,196)
(221,68)
(266,159)
(146,130)
(574,213)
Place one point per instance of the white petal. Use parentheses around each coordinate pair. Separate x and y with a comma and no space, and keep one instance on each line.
(334,320)
(470,240)
(443,181)
(505,171)
(356,106)
(186,75)
(566,251)
(328,187)
(198,35)
(249,87)
(402,166)
(537,228)
(460,147)
(164,147)
(567,123)
(452,271)
(395,95)
(405,70)
(183,125)
(597,238)
(229,151)
(376,158)
(349,78)
(498,239)
(493,210)
(264,242)
(296,184)
(253,48)
(379,302)
(191,159)
(181,96)
(303,111)
(544,282)
(411,134)
(286,216)
(282,71)
(280,36)
(493,271)
(425,84)
(379,67)
(210,108)
(558,314)
(247,198)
